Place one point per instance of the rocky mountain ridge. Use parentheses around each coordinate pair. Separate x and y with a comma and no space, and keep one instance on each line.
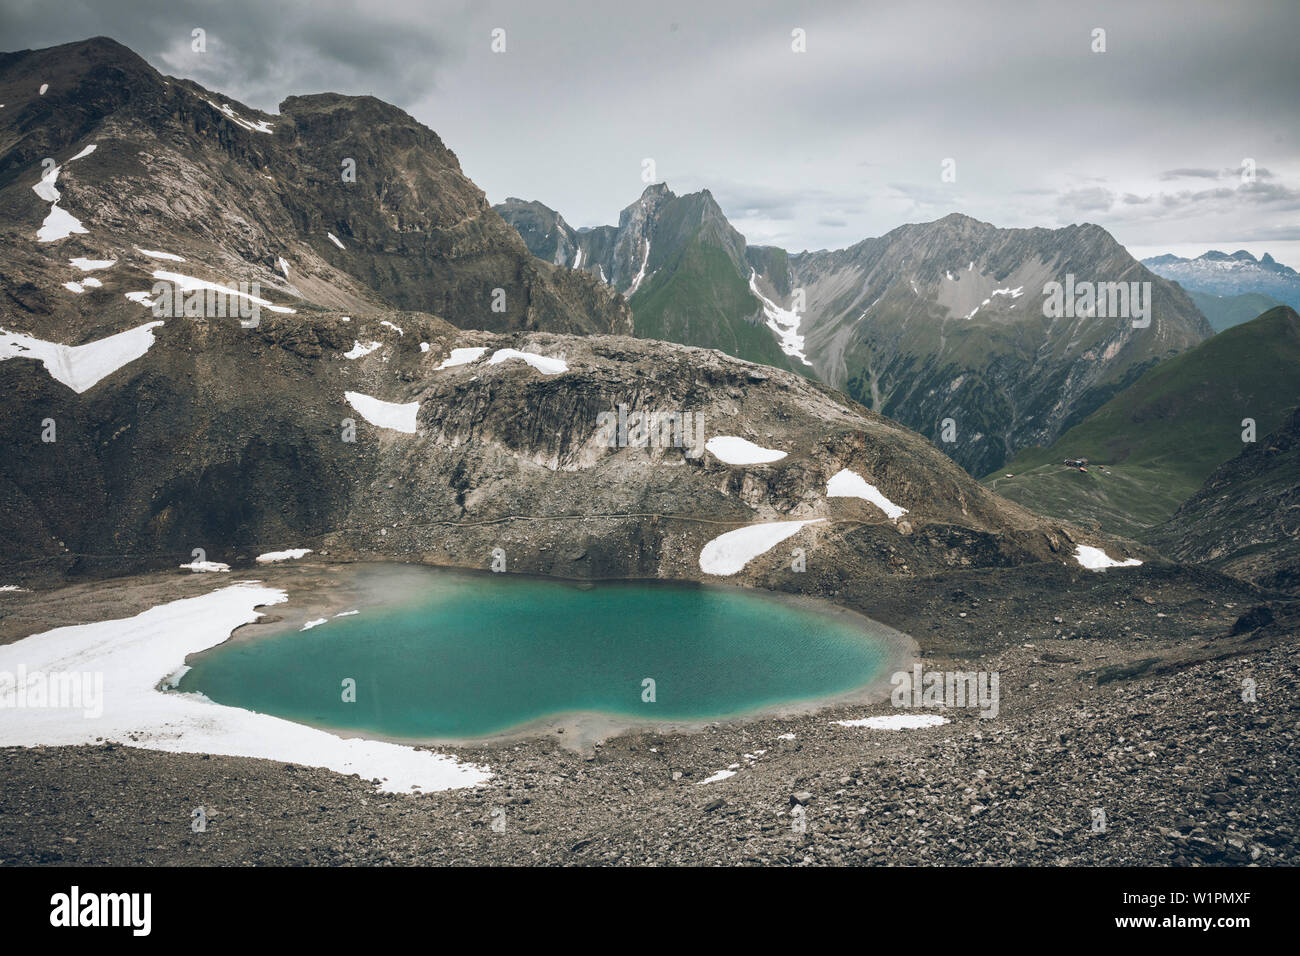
(338,202)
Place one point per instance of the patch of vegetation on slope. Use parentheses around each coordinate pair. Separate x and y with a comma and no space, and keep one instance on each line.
(1159,439)
(1244,520)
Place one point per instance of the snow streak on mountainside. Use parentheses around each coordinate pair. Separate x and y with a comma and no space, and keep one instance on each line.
(682,267)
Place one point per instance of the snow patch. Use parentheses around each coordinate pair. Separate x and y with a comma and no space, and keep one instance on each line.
(399,417)
(288,555)
(461,357)
(849,484)
(738,451)
(206,566)
(784,322)
(80,366)
(135,654)
(46,188)
(641,274)
(1095,559)
(896,722)
(720,775)
(59,224)
(359,350)
(190,284)
(543,364)
(729,553)
(261,126)
(155,254)
(90,265)
(335,239)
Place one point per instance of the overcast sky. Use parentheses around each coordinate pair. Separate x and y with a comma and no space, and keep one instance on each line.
(806,150)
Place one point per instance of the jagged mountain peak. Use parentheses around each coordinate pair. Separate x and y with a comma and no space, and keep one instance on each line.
(657,191)
(339,201)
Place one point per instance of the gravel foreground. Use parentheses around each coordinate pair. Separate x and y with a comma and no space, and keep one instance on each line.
(1123,738)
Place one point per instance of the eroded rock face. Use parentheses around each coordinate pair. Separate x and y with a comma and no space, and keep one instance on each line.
(242,440)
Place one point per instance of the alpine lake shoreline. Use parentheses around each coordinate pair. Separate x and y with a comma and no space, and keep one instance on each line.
(1120,691)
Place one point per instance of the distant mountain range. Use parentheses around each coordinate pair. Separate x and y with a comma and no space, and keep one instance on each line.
(202,434)
(1222,274)
(932,322)
(1152,445)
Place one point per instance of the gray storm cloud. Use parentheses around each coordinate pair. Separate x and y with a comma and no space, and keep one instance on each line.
(809,150)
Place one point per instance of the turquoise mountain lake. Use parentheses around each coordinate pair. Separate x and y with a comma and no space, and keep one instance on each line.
(463,656)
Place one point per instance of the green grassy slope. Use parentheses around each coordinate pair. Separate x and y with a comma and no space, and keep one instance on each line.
(700,298)
(1153,444)
(1225,311)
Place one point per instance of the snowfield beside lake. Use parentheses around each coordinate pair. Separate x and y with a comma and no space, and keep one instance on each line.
(730,552)
(136,654)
